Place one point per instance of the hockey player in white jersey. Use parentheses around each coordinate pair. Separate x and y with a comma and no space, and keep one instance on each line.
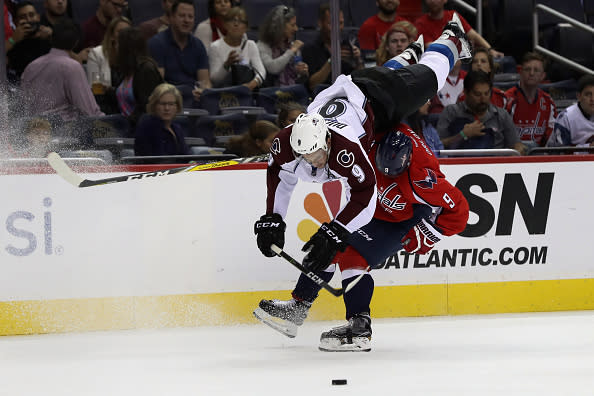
(331,142)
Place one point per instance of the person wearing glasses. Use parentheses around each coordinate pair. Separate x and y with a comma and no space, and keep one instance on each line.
(94,28)
(235,49)
(157,132)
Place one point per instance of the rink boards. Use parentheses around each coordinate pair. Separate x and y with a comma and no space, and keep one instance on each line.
(180,250)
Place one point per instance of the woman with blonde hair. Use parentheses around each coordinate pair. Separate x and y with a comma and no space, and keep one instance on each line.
(157,133)
(395,40)
(103,57)
(254,142)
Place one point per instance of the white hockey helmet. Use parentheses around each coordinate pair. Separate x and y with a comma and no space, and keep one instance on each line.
(309,134)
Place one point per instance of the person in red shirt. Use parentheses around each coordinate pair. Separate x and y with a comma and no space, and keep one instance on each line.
(373,29)
(431,24)
(532,109)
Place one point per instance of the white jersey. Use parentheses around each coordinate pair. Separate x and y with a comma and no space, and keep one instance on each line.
(572,128)
(347,160)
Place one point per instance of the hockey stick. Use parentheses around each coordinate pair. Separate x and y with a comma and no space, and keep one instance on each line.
(62,169)
(311,275)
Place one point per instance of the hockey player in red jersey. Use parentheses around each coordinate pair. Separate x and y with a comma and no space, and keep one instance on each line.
(333,141)
(416,207)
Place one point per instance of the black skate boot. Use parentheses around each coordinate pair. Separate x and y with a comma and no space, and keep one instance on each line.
(454,30)
(283,316)
(355,336)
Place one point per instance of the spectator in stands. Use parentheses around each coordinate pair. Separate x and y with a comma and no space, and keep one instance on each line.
(483,60)
(532,109)
(256,141)
(288,113)
(419,122)
(8,32)
(57,84)
(156,25)
(235,49)
(140,74)
(431,24)
(31,40)
(395,40)
(102,59)
(280,53)
(54,11)
(213,28)
(452,91)
(157,132)
(575,125)
(374,28)
(94,28)
(37,134)
(476,123)
(317,54)
(181,57)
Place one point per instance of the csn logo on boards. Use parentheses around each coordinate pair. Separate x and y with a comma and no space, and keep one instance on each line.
(26,232)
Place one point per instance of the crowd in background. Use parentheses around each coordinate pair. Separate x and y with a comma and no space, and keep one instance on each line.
(65,77)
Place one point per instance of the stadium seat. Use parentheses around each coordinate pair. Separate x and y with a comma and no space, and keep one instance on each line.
(561,90)
(83,9)
(143,10)
(257,10)
(570,8)
(307,13)
(214,128)
(212,100)
(359,11)
(308,36)
(201,10)
(104,155)
(270,97)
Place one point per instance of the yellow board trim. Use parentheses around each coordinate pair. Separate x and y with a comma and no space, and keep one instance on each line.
(91,314)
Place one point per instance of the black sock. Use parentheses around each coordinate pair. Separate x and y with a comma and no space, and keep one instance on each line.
(306,289)
(357,299)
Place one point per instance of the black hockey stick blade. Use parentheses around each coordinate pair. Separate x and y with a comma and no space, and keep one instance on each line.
(62,169)
(311,275)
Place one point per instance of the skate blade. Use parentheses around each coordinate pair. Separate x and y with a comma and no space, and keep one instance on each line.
(282,326)
(360,344)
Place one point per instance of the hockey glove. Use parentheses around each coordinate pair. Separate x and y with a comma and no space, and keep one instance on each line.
(421,238)
(270,229)
(323,246)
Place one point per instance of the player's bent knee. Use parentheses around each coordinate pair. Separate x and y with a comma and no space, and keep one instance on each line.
(350,259)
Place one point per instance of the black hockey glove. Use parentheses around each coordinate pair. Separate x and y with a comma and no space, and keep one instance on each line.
(270,229)
(323,246)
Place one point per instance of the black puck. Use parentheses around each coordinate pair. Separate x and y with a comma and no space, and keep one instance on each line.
(339,382)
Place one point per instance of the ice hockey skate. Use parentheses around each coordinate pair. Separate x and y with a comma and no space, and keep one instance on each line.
(454,28)
(355,336)
(283,316)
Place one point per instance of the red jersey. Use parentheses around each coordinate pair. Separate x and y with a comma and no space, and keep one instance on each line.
(422,183)
(372,30)
(431,28)
(534,121)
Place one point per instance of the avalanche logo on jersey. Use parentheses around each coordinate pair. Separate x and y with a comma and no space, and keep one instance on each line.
(345,158)
(275,147)
(389,200)
(429,181)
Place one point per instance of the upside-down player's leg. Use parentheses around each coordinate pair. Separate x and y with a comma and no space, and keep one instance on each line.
(398,91)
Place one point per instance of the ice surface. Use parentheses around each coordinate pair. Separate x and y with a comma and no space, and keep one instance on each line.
(514,354)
